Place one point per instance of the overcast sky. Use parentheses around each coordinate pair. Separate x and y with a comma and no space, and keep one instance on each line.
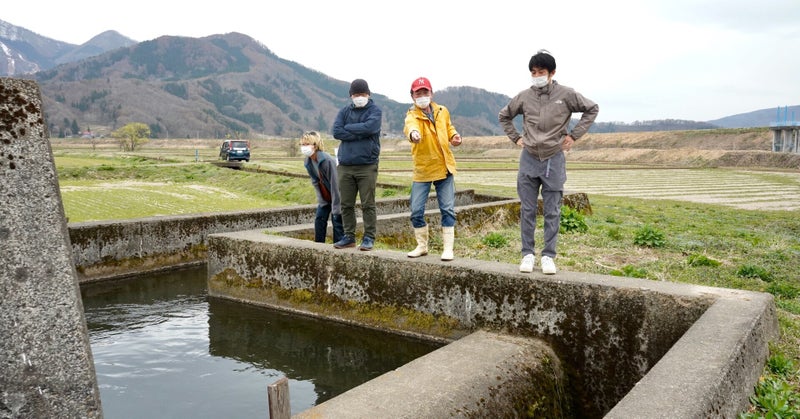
(639,60)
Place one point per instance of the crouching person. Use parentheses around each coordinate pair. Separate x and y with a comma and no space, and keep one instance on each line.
(321,168)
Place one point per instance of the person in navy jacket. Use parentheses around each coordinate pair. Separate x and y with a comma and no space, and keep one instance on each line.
(358,127)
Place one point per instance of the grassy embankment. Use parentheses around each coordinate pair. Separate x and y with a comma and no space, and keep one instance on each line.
(658,239)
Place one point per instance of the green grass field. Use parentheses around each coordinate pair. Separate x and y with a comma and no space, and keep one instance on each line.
(718,227)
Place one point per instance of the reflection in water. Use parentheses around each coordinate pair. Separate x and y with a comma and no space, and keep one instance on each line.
(163,349)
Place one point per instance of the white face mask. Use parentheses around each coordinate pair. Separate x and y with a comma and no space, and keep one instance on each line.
(422,102)
(307,150)
(360,101)
(540,81)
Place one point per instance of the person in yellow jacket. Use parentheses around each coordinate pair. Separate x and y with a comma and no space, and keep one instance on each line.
(431,133)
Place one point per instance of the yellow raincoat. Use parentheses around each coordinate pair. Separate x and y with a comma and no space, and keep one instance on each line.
(432,156)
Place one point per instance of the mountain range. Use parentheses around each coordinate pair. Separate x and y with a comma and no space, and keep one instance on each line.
(228,85)
(25,52)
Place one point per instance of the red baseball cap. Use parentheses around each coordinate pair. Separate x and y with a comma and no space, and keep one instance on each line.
(421,83)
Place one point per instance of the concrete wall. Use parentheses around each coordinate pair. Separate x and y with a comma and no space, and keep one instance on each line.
(46,366)
(114,249)
(483,375)
(109,249)
(607,331)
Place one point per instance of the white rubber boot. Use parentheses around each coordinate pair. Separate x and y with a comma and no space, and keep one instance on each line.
(422,242)
(448,237)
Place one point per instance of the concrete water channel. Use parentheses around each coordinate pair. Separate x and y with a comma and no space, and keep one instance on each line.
(587,345)
(162,348)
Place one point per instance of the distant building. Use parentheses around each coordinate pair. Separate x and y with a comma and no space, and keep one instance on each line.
(785,133)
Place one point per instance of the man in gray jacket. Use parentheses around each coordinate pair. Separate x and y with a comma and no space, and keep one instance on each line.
(546,108)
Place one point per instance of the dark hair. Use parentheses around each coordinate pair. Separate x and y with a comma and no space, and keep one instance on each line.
(542,59)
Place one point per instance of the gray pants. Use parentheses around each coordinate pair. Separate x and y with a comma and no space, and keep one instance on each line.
(358,180)
(550,175)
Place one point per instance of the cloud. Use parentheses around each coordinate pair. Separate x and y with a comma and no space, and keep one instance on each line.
(657,59)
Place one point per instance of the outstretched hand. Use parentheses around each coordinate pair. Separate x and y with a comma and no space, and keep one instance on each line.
(414,136)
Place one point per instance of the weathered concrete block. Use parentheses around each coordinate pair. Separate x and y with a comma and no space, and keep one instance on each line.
(104,250)
(711,371)
(45,357)
(119,248)
(483,375)
(607,331)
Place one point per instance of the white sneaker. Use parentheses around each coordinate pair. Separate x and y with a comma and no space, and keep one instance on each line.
(527,263)
(548,266)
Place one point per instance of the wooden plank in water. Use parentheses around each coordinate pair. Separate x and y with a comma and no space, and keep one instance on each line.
(278,395)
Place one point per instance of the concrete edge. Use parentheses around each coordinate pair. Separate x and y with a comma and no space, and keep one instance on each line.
(398,223)
(710,370)
(137,273)
(119,248)
(458,334)
(275,236)
(713,369)
(484,374)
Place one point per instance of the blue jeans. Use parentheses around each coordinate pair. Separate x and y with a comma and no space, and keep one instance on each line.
(321,224)
(445,195)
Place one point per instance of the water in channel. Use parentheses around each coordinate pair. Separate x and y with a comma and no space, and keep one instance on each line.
(162,348)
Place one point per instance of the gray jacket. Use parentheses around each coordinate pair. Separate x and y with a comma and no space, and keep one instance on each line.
(546,113)
(324,171)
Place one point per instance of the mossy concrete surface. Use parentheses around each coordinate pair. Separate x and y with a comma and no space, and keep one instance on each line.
(119,248)
(112,249)
(483,375)
(608,332)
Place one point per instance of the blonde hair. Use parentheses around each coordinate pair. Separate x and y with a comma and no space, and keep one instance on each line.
(312,138)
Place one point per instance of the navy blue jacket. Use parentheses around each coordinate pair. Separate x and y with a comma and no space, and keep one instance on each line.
(359,130)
